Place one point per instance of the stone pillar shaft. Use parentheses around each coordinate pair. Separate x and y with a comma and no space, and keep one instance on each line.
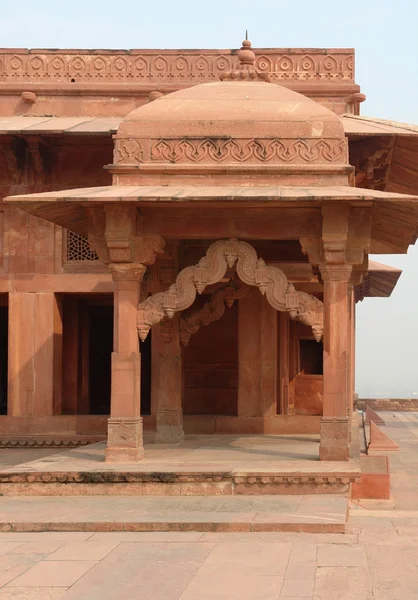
(284,362)
(257,356)
(169,424)
(125,435)
(335,428)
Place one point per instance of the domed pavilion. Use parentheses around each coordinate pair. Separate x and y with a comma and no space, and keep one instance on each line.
(237,240)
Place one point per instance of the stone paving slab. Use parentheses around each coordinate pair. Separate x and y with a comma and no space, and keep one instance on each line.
(199,454)
(200,513)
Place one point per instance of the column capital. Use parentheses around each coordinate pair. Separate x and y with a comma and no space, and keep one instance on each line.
(127,271)
(336,272)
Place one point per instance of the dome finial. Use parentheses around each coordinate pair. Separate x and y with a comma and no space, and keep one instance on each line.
(246,54)
(246,70)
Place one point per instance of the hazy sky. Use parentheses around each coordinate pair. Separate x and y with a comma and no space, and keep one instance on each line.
(384,34)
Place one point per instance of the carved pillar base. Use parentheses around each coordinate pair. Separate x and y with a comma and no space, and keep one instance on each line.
(335,435)
(124,440)
(169,429)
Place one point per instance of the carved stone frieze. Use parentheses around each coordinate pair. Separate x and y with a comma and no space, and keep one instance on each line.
(220,150)
(331,481)
(211,311)
(169,67)
(250,269)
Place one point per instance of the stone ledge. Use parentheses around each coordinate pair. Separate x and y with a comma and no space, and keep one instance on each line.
(168,478)
(49,442)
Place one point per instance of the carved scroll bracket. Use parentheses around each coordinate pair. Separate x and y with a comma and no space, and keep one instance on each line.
(250,269)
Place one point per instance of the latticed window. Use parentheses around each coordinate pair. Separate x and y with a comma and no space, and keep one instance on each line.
(78,248)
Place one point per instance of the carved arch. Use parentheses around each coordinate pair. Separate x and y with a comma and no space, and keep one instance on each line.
(212,311)
(252,270)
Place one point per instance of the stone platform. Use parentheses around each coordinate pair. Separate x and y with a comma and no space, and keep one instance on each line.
(200,466)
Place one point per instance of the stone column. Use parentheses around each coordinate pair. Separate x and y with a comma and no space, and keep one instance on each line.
(125,435)
(257,356)
(352,388)
(115,233)
(169,425)
(284,362)
(268,359)
(335,425)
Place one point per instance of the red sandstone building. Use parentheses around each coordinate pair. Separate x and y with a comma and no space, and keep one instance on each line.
(219,204)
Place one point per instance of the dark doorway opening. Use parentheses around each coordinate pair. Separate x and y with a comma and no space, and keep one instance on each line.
(311,357)
(100,356)
(87,356)
(4,317)
(146,375)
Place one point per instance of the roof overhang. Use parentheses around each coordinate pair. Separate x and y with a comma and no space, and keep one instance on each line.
(379,282)
(394,215)
(21,125)
(359,126)
(354,126)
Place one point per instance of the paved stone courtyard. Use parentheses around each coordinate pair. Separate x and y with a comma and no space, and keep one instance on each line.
(377,559)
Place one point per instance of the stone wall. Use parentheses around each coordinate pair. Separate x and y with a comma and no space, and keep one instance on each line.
(389,404)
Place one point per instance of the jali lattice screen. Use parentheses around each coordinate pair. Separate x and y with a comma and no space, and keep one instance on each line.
(78,248)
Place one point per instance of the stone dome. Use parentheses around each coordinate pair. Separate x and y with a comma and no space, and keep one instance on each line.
(237,127)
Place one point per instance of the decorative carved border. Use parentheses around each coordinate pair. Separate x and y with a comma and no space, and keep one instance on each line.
(110,477)
(48,443)
(216,150)
(212,311)
(221,256)
(170,67)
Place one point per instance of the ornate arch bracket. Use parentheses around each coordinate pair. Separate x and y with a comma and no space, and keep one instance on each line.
(251,270)
(211,311)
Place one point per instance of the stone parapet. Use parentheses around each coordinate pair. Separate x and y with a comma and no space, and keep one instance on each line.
(168,67)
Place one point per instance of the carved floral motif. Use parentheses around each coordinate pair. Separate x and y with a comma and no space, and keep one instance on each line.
(128,150)
(250,269)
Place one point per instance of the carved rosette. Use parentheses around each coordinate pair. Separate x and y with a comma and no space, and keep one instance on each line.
(212,311)
(250,269)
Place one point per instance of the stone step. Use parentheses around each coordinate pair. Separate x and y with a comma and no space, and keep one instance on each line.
(297,513)
(314,479)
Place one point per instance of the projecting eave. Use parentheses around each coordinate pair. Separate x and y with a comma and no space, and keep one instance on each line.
(357,125)
(379,282)
(354,126)
(394,223)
